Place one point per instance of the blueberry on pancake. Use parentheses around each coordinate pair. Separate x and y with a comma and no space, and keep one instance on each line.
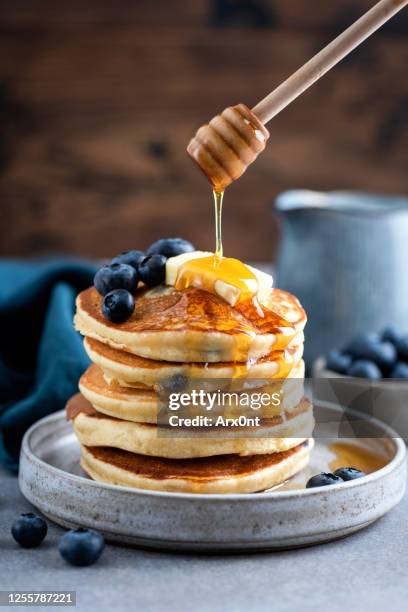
(118,305)
(152,270)
(115,276)
(131,258)
(170,247)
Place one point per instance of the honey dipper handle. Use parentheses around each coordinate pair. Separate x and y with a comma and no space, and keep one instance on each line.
(328,57)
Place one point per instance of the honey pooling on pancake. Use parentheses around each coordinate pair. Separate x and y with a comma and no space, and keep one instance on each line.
(268,321)
(208,271)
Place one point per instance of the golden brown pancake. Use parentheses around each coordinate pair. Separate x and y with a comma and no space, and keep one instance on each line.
(272,435)
(194,326)
(226,474)
(132,370)
(142,405)
(127,403)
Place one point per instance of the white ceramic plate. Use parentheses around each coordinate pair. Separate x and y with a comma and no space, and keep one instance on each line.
(290,516)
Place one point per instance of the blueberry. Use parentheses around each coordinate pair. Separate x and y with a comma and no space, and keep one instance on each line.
(131,258)
(389,334)
(81,546)
(175,383)
(400,370)
(359,344)
(369,347)
(362,368)
(338,362)
(322,480)
(29,530)
(385,356)
(348,473)
(399,341)
(152,270)
(170,247)
(402,347)
(118,305)
(115,276)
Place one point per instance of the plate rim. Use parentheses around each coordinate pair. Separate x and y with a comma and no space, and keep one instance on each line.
(399,457)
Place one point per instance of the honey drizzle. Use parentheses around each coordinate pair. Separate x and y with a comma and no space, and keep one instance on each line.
(218,200)
(204,273)
(231,274)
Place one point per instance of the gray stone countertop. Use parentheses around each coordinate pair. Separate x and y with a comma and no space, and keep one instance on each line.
(366,571)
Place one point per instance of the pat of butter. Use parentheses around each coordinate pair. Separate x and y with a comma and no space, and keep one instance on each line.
(174,264)
(227,292)
(226,277)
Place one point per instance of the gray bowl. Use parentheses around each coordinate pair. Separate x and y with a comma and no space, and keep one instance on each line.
(386,399)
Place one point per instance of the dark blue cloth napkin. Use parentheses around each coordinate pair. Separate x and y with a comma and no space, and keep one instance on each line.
(41,355)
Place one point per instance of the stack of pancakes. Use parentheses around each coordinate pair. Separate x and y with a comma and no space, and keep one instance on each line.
(178,336)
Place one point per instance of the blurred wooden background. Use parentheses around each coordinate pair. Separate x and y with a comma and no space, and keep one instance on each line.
(98,99)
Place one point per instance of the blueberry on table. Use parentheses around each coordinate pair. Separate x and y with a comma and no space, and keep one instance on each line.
(115,276)
(118,305)
(323,480)
(29,530)
(362,368)
(131,258)
(338,362)
(170,247)
(348,473)
(400,370)
(81,546)
(152,270)
(369,347)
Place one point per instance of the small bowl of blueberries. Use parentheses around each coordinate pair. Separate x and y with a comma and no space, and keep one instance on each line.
(376,363)
(374,356)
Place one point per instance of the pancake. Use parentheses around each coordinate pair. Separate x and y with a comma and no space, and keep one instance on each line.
(274,435)
(131,404)
(297,371)
(128,369)
(227,474)
(142,405)
(194,325)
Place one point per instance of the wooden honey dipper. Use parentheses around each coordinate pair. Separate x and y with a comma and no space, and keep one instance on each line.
(226,146)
